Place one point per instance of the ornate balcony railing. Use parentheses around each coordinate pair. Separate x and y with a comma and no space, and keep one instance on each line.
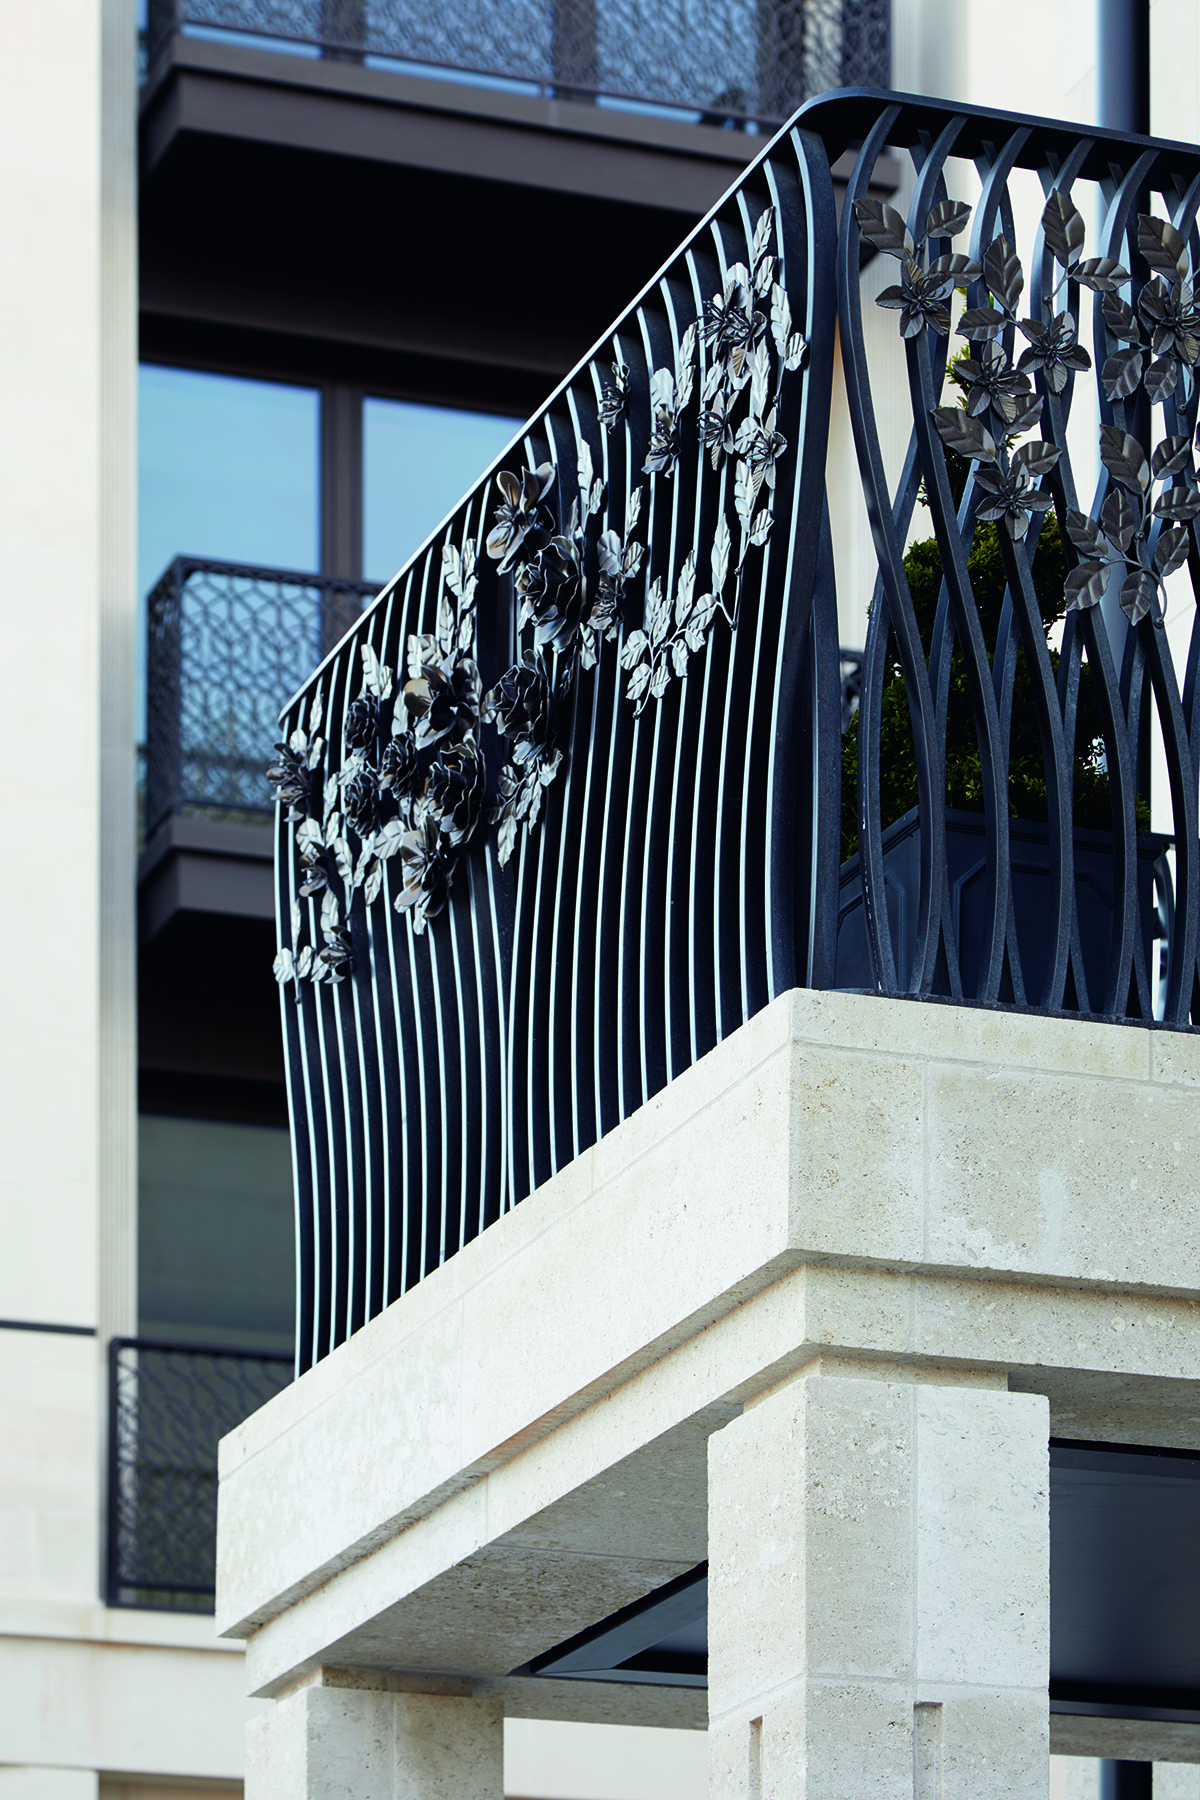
(727,60)
(169,1406)
(226,645)
(586,787)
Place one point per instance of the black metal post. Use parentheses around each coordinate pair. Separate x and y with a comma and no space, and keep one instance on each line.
(1123,65)
(341,479)
(1126,1780)
(573,49)
(1123,104)
(343,29)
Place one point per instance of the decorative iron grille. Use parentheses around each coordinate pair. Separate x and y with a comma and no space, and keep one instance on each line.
(169,1406)
(226,645)
(727,60)
(587,786)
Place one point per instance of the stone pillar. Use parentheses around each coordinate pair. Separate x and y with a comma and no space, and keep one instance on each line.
(879,1592)
(340,1737)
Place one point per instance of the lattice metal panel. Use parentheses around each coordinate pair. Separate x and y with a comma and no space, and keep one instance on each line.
(169,1408)
(727,59)
(227,645)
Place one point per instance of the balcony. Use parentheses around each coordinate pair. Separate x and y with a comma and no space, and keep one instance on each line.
(226,646)
(573,801)
(169,1406)
(260,156)
(738,63)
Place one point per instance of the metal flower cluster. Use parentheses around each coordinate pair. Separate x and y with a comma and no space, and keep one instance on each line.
(751,346)
(410,783)
(1134,538)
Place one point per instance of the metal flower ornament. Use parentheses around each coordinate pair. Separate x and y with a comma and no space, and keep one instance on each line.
(410,785)
(1136,538)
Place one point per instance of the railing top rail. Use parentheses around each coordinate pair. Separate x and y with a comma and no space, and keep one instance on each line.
(244,1352)
(180,567)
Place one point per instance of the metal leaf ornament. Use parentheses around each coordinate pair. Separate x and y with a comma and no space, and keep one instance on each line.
(1154,346)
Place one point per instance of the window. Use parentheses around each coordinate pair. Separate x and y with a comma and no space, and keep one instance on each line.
(418,461)
(226,468)
(215,1233)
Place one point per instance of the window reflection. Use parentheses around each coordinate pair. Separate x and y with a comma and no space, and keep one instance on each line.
(418,461)
(215,1231)
(227,468)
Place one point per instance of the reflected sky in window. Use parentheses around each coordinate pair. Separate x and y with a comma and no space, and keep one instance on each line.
(418,461)
(226,468)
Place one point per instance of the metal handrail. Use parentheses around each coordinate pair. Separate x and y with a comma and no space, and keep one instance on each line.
(565,809)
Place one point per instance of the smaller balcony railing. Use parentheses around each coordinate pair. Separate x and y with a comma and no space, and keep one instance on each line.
(736,61)
(227,644)
(169,1407)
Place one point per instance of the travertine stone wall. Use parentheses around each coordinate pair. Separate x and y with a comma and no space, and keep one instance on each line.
(517,1448)
(879,1616)
(337,1735)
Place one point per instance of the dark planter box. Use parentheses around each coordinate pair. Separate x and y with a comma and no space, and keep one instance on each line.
(1030,841)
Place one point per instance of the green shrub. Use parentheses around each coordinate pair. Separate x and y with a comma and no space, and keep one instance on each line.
(1026,773)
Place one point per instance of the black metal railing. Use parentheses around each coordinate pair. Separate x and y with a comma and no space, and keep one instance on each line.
(169,1406)
(727,60)
(226,645)
(588,785)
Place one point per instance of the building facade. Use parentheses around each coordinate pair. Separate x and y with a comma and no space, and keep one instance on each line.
(306,291)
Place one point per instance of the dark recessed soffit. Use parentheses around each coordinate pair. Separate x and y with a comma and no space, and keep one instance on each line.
(1124,1596)
(661,1641)
(319,215)
(413,122)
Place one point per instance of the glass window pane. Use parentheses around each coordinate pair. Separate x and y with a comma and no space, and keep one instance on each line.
(215,1231)
(226,468)
(417,462)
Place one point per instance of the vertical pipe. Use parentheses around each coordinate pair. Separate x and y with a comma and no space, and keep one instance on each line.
(1122,104)
(1123,65)
(1126,1780)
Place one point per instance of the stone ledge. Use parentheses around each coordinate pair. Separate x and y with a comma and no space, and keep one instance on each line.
(1002,1146)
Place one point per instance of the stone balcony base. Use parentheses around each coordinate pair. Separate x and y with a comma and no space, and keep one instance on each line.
(519,1447)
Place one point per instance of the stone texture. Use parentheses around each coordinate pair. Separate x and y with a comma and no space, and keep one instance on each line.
(879,1592)
(829,1186)
(361,1743)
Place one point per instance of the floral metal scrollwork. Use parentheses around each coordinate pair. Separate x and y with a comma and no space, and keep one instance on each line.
(1136,537)
(410,783)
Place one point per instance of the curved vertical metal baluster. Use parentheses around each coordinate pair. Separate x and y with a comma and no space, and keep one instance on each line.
(896,610)
(1121,670)
(804,768)
(956,621)
(678,302)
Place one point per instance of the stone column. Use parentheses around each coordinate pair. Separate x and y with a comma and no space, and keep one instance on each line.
(879,1594)
(348,1735)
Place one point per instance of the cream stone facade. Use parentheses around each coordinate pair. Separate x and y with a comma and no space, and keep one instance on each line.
(840,1282)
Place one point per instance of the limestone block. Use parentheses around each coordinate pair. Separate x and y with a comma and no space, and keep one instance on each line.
(364,1743)
(879,1592)
(983,1538)
(1176,1781)
(1083,1179)
(1074,1778)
